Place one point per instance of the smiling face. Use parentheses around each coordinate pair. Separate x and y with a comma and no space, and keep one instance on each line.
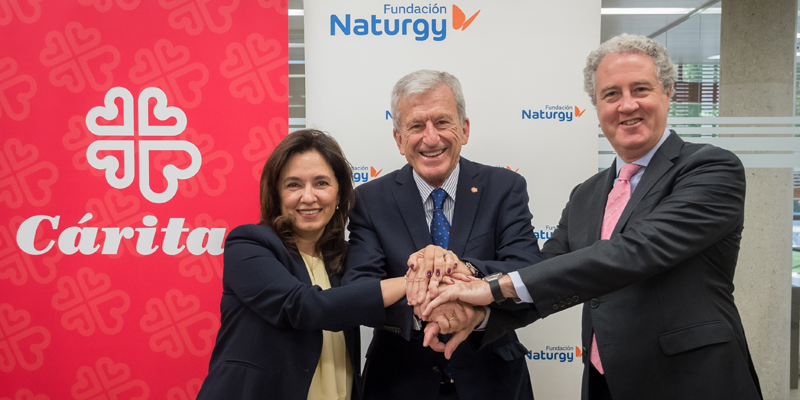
(309,194)
(430,134)
(631,104)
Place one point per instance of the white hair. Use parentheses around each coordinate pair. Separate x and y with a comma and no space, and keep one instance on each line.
(423,81)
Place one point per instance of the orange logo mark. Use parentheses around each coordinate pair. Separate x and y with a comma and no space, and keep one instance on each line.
(578,111)
(373,173)
(509,168)
(578,349)
(459,17)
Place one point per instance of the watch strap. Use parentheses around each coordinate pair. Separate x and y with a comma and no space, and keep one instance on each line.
(494,286)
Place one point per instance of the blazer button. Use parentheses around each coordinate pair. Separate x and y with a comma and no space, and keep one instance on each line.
(436,369)
(555,307)
(583,351)
(594,303)
(562,304)
(569,301)
(575,299)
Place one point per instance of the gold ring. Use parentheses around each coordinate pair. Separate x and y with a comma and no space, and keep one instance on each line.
(450,319)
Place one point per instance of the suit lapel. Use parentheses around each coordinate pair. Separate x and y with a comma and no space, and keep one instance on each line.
(658,166)
(466,209)
(300,271)
(406,195)
(291,260)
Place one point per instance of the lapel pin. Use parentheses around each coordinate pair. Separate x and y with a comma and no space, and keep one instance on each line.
(474,190)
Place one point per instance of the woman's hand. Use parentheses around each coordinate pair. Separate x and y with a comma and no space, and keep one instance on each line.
(428,267)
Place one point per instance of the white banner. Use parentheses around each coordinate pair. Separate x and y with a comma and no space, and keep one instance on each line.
(520,64)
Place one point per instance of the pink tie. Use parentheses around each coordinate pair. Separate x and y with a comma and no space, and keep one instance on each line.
(615,204)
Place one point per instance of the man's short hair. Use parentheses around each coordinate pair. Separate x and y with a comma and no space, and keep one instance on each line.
(630,44)
(423,81)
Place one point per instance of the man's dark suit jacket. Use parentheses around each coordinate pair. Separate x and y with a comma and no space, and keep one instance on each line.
(491,228)
(270,341)
(659,293)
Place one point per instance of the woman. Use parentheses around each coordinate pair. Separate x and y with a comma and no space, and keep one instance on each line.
(281,335)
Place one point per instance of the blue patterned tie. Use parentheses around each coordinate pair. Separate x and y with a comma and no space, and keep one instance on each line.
(440,227)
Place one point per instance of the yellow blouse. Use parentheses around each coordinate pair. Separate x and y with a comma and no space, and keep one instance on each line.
(333,378)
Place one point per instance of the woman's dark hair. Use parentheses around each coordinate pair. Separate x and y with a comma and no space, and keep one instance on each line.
(331,245)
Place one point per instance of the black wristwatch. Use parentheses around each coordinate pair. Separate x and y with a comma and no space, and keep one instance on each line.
(494,286)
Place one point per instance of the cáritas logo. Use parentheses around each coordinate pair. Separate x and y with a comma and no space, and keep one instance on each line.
(128,145)
(424,22)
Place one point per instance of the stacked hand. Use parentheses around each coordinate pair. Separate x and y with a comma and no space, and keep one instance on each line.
(427,268)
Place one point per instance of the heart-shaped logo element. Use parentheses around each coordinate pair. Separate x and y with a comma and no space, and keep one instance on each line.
(108,310)
(167,341)
(110,112)
(81,39)
(13,320)
(111,373)
(145,67)
(262,50)
(29,346)
(79,319)
(171,56)
(56,49)
(162,112)
(92,284)
(181,306)
(68,294)
(156,318)
(87,385)
(237,61)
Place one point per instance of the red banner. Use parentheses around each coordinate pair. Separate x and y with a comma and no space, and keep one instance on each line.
(132,136)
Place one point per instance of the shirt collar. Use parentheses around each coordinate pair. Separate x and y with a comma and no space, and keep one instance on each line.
(645,159)
(449,184)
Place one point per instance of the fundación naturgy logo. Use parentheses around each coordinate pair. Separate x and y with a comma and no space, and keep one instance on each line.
(556,353)
(111,163)
(559,113)
(362,173)
(424,22)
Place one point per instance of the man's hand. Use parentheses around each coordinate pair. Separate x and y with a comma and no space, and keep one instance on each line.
(426,268)
(433,329)
(452,316)
(474,292)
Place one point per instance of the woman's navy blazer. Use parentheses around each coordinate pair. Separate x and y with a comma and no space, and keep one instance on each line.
(270,338)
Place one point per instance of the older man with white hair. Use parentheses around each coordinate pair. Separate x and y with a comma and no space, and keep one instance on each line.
(474,216)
